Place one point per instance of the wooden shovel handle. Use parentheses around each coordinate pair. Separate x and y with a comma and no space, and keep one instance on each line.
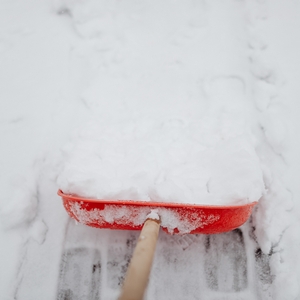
(138,272)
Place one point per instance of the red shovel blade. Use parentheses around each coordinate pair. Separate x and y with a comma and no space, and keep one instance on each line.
(175,217)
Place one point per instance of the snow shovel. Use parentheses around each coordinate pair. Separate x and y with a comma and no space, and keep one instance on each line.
(174,218)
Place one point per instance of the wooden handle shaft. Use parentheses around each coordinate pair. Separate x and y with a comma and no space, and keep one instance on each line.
(138,272)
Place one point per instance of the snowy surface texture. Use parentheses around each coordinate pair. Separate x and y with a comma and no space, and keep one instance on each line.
(176,160)
(168,127)
(171,220)
(181,101)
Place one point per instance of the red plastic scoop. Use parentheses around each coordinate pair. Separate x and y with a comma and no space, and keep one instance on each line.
(175,217)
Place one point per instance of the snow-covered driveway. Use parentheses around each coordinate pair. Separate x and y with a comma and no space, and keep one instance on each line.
(64,63)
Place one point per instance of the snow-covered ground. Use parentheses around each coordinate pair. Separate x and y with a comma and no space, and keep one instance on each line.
(69,69)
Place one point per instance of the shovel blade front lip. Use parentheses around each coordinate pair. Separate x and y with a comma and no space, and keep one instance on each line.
(152,203)
(191,218)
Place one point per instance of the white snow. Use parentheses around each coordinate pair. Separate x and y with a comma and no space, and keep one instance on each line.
(153,215)
(177,101)
(158,133)
(203,161)
(135,216)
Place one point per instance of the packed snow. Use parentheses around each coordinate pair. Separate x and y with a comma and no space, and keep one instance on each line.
(198,161)
(153,215)
(177,101)
(160,134)
(171,220)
